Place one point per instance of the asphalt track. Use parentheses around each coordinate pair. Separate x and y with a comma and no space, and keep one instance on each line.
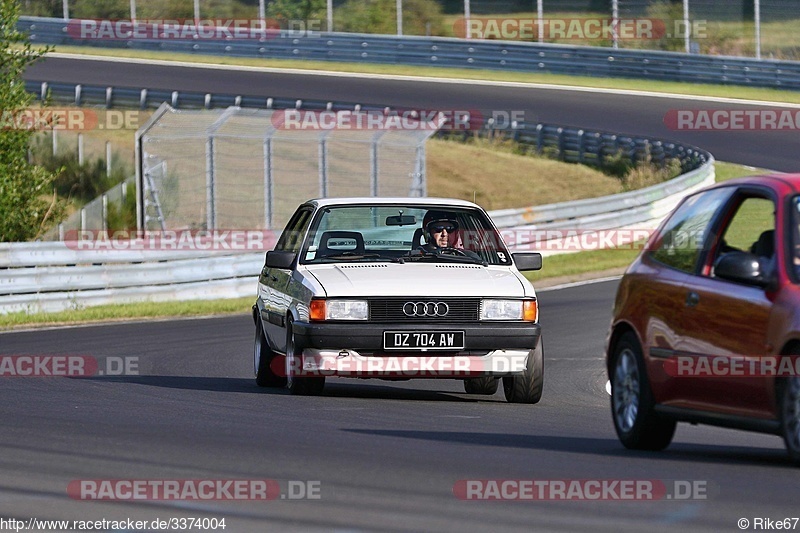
(387,455)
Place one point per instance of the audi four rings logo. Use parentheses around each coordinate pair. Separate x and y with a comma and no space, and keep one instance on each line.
(430,309)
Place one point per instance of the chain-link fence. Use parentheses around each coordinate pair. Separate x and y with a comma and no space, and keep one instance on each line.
(250,168)
(95,216)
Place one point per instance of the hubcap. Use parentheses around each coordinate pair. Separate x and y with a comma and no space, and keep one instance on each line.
(791,413)
(625,390)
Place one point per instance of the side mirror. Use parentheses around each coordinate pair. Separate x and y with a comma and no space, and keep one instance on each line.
(743,267)
(527,261)
(283,260)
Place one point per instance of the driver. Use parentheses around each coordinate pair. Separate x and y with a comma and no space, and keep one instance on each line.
(440,230)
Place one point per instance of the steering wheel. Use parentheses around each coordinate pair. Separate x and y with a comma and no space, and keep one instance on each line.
(449,250)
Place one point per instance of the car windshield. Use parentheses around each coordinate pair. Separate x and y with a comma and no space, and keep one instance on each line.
(403,233)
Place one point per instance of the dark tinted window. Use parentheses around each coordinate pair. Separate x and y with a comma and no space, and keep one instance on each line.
(292,236)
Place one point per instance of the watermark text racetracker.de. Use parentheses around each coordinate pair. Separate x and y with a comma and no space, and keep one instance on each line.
(755,119)
(193,30)
(732,366)
(577,28)
(72,119)
(171,240)
(580,489)
(582,239)
(194,489)
(70,366)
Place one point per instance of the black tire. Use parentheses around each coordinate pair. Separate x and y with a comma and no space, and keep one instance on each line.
(262,360)
(300,386)
(527,387)
(637,424)
(487,385)
(790,417)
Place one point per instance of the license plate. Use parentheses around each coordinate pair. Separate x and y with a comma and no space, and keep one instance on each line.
(423,340)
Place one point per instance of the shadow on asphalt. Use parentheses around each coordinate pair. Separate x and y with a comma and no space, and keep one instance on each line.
(354,389)
(704,453)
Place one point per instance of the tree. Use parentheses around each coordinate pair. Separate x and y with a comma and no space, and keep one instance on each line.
(24,188)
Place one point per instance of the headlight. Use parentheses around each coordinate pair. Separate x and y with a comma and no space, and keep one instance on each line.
(526,310)
(339,310)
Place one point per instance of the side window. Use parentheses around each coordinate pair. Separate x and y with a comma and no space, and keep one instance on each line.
(750,229)
(292,236)
(682,238)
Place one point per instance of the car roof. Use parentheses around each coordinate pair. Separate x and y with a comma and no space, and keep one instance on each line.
(775,181)
(374,200)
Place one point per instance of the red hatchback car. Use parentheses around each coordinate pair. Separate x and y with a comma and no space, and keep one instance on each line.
(706,325)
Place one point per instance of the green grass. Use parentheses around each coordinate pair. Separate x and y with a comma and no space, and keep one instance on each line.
(107,313)
(582,263)
(746,93)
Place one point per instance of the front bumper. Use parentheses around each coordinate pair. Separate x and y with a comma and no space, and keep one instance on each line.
(356,350)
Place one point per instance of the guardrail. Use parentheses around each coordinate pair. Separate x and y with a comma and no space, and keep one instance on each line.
(56,276)
(452,52)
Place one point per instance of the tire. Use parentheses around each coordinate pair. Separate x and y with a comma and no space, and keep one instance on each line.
(297,385)
(637,424)
(527,387)
(487,385)
(263,357)
(790,417)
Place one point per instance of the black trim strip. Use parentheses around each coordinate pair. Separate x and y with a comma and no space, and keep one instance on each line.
(762,425)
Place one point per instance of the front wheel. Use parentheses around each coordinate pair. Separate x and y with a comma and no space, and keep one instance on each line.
(263,358)
(790,417)
(486,385)
(637,424)
(527,387)
(300,386)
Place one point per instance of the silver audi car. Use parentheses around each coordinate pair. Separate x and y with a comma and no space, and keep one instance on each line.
(397,288)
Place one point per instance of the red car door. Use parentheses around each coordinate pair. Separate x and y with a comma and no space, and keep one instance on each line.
(726,322)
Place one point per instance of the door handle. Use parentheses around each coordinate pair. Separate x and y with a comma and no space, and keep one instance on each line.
(692,299)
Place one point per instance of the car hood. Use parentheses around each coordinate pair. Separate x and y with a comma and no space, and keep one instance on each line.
(415,279)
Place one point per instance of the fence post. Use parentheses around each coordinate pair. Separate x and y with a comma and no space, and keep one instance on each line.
(108,158)
(373,167)
(467,16)
(399,17)
(80,148)
(105,211)
(615,22)
(55,142)
(757,16)
(540,20)
(210,196)
(686,25)
(268,183)
(323,165)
